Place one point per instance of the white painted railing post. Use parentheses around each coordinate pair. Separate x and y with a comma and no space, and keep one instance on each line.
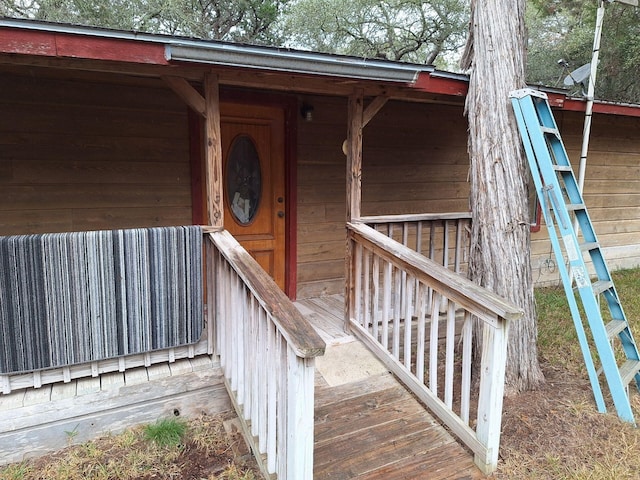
(300,416)
(490,396)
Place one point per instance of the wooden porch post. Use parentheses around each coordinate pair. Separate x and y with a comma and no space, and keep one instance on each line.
(354,155)
(214,188)
(354,193)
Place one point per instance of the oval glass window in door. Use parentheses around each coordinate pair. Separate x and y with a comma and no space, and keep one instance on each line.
(243,180)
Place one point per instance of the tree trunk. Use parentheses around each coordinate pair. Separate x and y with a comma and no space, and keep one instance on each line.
(500,238)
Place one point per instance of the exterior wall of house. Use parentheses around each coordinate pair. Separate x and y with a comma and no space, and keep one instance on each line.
(611,190)
(414,161)
(94,152)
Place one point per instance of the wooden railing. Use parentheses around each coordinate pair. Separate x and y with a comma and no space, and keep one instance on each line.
(418,317)
(267,352)
(442,237)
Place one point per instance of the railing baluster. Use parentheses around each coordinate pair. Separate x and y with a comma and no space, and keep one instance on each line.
(376,297)
(263,384)
(357,282)
(281,415)
(407,321)
(433,343)
(421,299)
(386,303)
(366,317)
(272,376)
(397,274)
(465,389)
(449,353)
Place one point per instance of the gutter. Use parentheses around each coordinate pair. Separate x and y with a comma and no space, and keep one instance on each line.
(274,59)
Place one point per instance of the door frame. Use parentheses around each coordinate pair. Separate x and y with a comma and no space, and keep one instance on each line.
(289,104)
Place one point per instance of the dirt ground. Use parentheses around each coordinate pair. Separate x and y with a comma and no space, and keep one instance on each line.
(555,432)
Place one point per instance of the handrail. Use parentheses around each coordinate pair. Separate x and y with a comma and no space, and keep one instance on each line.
(477,299)
(298,332)
(414,217)
(267,353)
(417,316)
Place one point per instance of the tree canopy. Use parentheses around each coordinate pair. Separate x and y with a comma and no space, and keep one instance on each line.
(564,29)
(430,32)
(401,30)
(250,21)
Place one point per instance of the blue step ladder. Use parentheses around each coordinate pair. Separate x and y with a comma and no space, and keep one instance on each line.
(559,195)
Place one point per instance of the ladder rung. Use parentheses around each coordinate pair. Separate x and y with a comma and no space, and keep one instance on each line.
(601,286)
(628,370)
(562,168)
(551,130)
(614,327)
(588,246)
(572,207)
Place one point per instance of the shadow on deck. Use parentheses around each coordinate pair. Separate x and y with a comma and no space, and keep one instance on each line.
(367,425)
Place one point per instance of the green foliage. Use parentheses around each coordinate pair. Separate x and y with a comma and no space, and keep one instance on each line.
(564,29)
(402,30)
(167,432)
(16,471)
(233,20)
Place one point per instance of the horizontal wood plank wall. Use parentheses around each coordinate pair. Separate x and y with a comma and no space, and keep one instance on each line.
(611,191)
(415,161)
(91,153)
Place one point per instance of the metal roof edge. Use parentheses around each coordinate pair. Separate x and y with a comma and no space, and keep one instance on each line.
(295,61)
(243,55)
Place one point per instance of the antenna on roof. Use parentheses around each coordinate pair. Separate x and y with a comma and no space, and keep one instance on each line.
(578,77)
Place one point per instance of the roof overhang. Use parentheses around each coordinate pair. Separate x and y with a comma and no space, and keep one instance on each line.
(34,38)
(294,61)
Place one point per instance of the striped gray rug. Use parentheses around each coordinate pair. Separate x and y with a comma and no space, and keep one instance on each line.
(68,298)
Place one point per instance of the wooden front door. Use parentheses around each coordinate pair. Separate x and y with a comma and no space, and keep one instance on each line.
(253,150)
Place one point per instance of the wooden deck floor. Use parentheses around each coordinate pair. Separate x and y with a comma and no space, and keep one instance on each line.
(367,425)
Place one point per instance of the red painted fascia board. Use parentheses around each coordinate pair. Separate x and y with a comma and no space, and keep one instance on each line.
(440,85)
(52,44)
(575,105)
(456,87)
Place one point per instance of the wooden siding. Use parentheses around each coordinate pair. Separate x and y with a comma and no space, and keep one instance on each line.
(90,154)
(415,161)
(611,191)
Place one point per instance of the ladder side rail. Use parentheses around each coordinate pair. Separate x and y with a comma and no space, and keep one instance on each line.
(545,154)
(553,236)
(588,297)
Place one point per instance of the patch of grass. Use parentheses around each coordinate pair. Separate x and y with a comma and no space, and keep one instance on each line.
(556,432)
(167,432)
(167,449)
(557,338)
(16,471)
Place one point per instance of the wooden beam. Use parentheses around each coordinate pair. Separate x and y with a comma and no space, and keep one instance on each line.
(187,93)
(354,155)
(353,150)
(213,148)
(373,108)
